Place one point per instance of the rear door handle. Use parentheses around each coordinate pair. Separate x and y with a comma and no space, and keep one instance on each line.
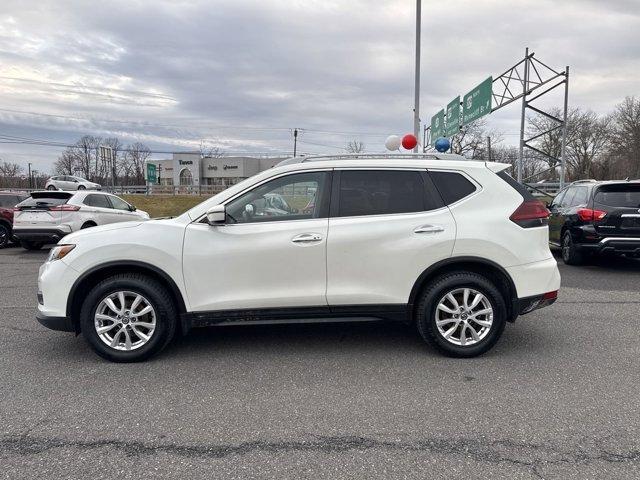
(307,238)
(429,229)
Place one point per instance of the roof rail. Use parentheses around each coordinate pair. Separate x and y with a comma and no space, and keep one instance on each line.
(587,180)
(369,156)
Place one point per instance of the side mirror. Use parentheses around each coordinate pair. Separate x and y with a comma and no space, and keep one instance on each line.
(132,208)
(216,215)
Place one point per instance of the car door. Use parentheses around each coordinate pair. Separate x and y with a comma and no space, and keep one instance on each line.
(121,211)
(555,218)
(261,257)
(98,208)
(386,227)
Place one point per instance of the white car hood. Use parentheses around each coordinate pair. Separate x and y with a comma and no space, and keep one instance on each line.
(101,228)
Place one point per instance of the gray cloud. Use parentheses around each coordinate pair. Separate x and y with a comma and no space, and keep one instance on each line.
(183,71)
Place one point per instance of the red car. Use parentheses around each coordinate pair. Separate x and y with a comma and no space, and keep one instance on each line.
(8,200)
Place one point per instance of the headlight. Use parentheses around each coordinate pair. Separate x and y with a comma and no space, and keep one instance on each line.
(59,251)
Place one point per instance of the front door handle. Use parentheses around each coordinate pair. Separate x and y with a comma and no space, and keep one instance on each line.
(429,229)
(307,238)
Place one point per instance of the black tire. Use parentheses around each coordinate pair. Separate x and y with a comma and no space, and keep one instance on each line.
(436,290)
(51,187)
(570,253)
(81,187)
(88,225)
(31,245)
(158,297)
(5,235)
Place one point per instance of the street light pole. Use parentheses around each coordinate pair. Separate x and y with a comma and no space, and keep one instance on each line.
(416,106)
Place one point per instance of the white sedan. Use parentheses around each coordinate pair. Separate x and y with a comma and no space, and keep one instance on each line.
(69,182)
(46,217)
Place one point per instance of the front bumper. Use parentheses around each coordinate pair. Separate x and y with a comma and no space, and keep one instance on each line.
(61,324)
(45,235)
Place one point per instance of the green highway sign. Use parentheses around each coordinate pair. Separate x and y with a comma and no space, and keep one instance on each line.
(452,119)
(477,103)
(437,126)
(152,176)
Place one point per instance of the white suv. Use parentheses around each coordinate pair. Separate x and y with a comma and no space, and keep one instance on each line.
(46,217)
(456,247)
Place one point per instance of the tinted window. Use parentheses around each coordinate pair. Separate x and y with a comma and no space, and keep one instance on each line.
(580,197)
(380,192)
(452,186)
(557,201)
(119,204)
(520,188)
(293,197)
(43,201)
(568,197)
(619,196)
(9,201)
(95,200)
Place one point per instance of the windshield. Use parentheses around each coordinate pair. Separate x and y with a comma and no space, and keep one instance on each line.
(623,196)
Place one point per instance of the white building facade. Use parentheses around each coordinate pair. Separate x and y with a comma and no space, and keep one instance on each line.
(193,170)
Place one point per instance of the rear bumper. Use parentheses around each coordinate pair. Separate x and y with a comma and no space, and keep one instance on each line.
(61,324)
(628,245)
(46,235)
(529,304)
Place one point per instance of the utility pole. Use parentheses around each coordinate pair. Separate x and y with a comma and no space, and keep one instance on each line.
(525,90)
(489,148)
(295,141)
(563,151)
(416,105)
(30,179)
(424,138)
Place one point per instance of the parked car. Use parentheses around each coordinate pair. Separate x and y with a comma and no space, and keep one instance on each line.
(68,182)
(8,200)
(456,247)
(46,217)
(590,218)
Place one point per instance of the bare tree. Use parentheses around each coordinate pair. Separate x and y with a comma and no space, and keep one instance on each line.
(136,155)
(625,136)
(210,151)
(589,140)
(10,170)
(355,146)
(66,163)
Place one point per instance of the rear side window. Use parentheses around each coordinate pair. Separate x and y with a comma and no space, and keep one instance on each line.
(9,201)
(95,200)
(621,196)
(380,192)
(452,186)
(520,188)
(581,197)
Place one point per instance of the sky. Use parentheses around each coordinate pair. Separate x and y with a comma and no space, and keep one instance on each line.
(242,74)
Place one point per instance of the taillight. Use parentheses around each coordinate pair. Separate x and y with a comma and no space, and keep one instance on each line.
(64,208)
(531,213)
(589,215)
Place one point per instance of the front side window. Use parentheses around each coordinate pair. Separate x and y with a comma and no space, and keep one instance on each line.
(293,197)
(119,204)
(567,200)
(380,192)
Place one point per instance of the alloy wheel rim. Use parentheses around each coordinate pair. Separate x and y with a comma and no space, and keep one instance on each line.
(464,316)
(566,245)
(125,320)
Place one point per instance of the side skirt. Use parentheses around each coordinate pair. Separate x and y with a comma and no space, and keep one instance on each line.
(339,313)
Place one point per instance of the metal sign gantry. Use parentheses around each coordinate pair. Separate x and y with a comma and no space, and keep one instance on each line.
(519,82)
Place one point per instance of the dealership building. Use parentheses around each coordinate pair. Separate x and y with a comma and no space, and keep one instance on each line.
(191,169)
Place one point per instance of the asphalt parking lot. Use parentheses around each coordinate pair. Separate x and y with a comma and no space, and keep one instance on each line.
(558,397)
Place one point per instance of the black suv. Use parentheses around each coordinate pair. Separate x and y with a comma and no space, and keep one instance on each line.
(591,217)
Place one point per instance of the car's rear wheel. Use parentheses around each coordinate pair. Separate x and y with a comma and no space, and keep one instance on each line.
(461,314)
(51,187)
(570,253)
(5,235)
(31,245)
(128,318)
(81,187)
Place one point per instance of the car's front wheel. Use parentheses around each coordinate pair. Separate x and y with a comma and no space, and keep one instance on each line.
(461,314)
(5,235)
(81,187)
(51,187)
(128,318)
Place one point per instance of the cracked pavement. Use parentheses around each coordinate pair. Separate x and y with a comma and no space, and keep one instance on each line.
(557,398)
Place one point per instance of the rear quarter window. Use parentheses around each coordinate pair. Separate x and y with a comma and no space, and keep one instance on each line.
(452,186)
(518,187)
